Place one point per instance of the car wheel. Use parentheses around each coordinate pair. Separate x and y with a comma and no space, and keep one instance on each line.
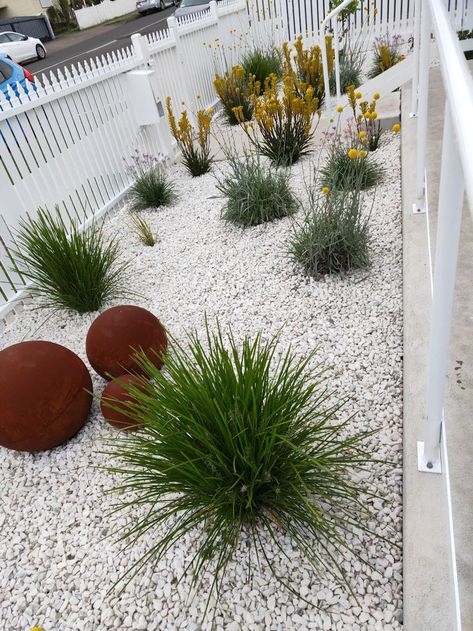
(40,52)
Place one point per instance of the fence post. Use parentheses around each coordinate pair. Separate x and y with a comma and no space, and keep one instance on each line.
(423,103)
(189,98)
(450,208)
(140,47)
(415,72)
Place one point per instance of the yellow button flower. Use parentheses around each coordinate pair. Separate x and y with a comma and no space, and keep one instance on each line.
(362,134)
(374,115)
(376,96)
(358,95)
(352,154)
(339,108)
(362,154)
(325,190)
(396,128)
(37,629)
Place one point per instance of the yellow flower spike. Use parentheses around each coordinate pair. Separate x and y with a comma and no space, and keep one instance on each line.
(358,95)
(37,629)
(352,154)
(362,134)
(396,128)
(339,108)
(325,190)
(376,96)
(362,154)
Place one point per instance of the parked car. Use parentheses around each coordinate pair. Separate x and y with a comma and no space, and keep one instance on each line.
(11,74)
(191,6)
(21,47)
(145,6)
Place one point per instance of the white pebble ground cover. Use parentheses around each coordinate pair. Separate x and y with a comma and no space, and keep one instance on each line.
(56,565)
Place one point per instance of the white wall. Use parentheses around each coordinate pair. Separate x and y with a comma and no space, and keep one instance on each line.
(106,10)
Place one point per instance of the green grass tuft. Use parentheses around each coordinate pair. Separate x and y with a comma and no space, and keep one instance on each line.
(152,188)
(345,174)
(255,193)
(142,230)
(240,441)
(333,236)
(261,63)
(69,268)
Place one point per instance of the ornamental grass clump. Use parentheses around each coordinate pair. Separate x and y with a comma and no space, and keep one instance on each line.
(387,53)
(240,444)
(194,145)
(152,188)
(306,65)
(261,63)
(349,169)
(283,125)
(142,230)
(69,268)
(333,236)
(236,89)
(255,193)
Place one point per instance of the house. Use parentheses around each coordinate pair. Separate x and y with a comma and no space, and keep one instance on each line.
(13,8)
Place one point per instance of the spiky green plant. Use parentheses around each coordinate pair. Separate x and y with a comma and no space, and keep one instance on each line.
(68,267)
(333,235)
(254,192)
(261,63)
(239,440)
(343,173)
(142,230)
(152,188)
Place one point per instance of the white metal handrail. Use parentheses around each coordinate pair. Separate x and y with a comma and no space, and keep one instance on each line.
(456,175)
(323,48)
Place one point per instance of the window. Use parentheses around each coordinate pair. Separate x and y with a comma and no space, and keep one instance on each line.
(3,39)
(6,71)
(15,37)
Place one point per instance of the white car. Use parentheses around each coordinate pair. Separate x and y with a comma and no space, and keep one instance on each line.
(20,47)
(144,6)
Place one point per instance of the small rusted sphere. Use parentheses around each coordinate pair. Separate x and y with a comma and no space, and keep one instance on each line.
(45,395)
(116,394)
(117,334)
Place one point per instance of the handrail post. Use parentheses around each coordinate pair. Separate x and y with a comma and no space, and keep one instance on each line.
(423,103)
(337,60)
(450,206)
(415,72)
(323,48)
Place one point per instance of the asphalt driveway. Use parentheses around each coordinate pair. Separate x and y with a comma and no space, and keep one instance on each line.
(99,40)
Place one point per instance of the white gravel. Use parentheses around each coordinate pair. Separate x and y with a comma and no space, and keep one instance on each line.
(55,567)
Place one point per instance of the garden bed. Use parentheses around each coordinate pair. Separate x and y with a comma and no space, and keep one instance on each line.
(57,566)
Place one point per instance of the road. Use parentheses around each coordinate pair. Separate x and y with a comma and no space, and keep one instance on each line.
(74,47)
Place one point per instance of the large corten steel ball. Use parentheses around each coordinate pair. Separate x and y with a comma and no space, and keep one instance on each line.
(117,334)
(45,395)
(116,394)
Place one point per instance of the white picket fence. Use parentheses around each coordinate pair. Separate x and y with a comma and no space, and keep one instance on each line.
(69,142)
(106,10)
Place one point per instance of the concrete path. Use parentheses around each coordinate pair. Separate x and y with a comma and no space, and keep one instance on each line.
(429,603)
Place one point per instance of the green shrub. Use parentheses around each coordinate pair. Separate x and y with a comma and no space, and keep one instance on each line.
(344,173)
(69,268)
(333,236)
(255,193)
(237,439)
(142,230)
(152,188)
(261,63)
